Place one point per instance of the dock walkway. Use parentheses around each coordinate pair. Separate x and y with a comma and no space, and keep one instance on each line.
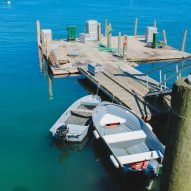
(127,91)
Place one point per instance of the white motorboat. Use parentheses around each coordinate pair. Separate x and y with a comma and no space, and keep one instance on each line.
(74,123)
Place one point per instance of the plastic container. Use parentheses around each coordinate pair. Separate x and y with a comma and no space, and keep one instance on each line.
(72,33)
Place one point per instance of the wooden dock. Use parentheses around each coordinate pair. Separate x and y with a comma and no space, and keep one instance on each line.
(66,58)
(129,92)
(60,51)
(137,51)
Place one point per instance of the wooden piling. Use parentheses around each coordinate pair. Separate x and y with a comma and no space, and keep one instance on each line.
(125,41)
(119,43)
(40,56)
(106,25)
(177,160)
(38,32)
(184,40)
(155,23)
(109,35)
(164,37)
(135,27)
(99,31)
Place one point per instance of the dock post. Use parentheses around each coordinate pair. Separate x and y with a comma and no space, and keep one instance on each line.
(119,42)
(125,41)
(164,36)
(40,56)
(99,31)
(177,160)
(38,31)
(165,86)
(106,25)
(135,28)
(155,23)
(184,40)
(109,35)
(160,74)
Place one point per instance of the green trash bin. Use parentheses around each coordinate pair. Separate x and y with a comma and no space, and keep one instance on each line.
(72,33)
(155,40)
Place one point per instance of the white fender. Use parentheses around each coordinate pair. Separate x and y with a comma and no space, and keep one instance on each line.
(96,134)
(149,126)
(189,79)
(114,161)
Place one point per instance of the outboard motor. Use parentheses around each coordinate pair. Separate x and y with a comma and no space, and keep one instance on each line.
(62,131)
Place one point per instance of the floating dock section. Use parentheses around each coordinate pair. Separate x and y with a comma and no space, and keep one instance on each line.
(129,92)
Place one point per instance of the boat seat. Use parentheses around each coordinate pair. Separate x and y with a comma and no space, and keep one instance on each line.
(76,129)
(124,137)
(92,103)
(140,157)
(81,110)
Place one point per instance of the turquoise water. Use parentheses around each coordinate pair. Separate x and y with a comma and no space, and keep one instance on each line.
(29,160)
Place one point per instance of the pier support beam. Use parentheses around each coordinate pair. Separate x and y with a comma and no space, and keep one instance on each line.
(125,41)
(119,43)
(184,40)
(177,160)
(99,31)
(135,27)
(38,32)
(164,36)
(155,23)
(106,25)
(109,36)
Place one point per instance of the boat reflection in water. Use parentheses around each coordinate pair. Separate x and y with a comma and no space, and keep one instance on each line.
(68,147)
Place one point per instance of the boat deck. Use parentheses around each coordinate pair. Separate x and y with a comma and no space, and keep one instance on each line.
(128,138)
(80,116)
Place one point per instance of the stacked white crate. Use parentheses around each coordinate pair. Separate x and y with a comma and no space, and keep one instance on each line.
(92,29)
(46,34)
(91,32)
(85,37)
(46,38)
(149,33)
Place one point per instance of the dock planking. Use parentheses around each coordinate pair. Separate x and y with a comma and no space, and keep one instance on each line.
(138,51)
(127,91)
(126,86)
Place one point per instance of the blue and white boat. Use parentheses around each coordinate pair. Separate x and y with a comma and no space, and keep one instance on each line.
(131,142)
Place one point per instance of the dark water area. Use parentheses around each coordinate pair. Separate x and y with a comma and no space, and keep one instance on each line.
(29,159)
